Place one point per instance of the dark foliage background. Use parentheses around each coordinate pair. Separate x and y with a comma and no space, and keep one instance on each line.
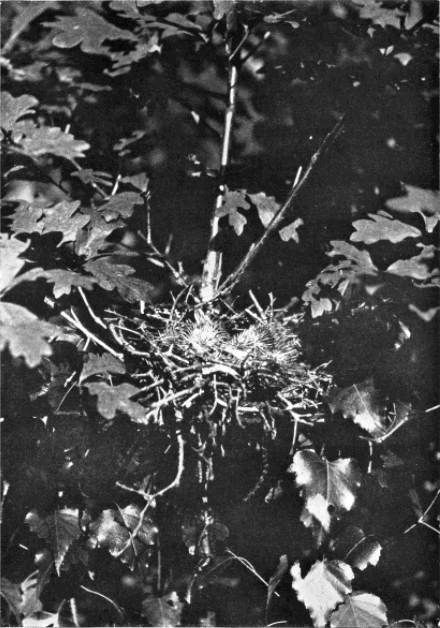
(149,100)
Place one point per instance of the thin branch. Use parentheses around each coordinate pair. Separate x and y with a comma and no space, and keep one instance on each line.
(212,265)
(421,520)
(96,318)
(235,277)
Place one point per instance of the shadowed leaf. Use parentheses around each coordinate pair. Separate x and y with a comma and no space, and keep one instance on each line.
(163,611)
(360,610)
(101,364)
(114,398)
(355,548)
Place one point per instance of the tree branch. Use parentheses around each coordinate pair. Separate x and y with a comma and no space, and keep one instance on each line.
(236,276)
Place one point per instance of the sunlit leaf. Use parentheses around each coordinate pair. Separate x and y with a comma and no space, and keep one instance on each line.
(291,231)
(24,333)
(326,486)
(31,595)
(424,202)
(120,205)
(357,549)
(361,259)
(360,610)
(380,13)
(101,364)
(112,399)
(163,611)
(266,206)
(10,262)
(62,217)
(232,201)
(42,620)
(60,529)
(12,109)
(360,402)
(416,267)
(326,585)
(12,593)
(382,226)
(52,140)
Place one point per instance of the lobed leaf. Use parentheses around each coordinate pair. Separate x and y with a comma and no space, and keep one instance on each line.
(101,365)
(116,276)
(382,227)
(326,585)
(52,140)
(163,611)
(112,399)
(232,201)
(64,280)
(424,202)
(10,262)
(13,109)
(120,205)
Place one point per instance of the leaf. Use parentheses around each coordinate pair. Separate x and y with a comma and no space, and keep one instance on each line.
(424,202)
(319,306)
(12,593)
(88,29)
(13,109)
(222,8)
(266,206)
(114,398)
(163,611)
(379,14)
(31,595)
(357,549)
(360,610)
(139,181)
(50,139)
(24,333)
(426,315)
(326,486)
(63,281)
(89,176)
(415,267)
(101,364)
(115,276)
(274,580)
(10,262)
(113,530)
(93,239)
(291,231)
(361,260)
(60,528)
(360,402)
(325,586)
(382,227)
(232,201)
(42,620)
(60,218)
(120,205)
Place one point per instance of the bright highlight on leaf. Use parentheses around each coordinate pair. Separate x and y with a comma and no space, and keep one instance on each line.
(323,588)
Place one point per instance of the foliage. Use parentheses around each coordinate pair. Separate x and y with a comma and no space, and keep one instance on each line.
(165,451)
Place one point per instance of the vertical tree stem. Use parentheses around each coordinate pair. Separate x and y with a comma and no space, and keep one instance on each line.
(212,265)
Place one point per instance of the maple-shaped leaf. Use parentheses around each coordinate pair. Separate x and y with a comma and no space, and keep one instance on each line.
(120,205)
(24,333)
(12,109)
(113,529)
(60,217)
(60,529)
(357,549)
(10,262)
(382,226)
(89,176)
(93,239)
(163,611)
(417,267)
(326,585)
(326,486)
(64,280)
(89,29)
(291,231)
(114,398)
(361,403)
(101,364)
(232,201)
(42,619)
(26,217)
(13,595)
(361,260)
(139,181)
(360,610)
(116,276)
(380,13)
(418,200)
(52,140)
(266,206)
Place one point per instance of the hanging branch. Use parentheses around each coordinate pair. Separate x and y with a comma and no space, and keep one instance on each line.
(236,276)
(213,261)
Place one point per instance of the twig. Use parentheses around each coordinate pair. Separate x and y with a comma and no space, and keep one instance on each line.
(96,318)
(104,597)
(94,185)
(235,277)
(212,266)
(90,336)
(421,519)
(251,568)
